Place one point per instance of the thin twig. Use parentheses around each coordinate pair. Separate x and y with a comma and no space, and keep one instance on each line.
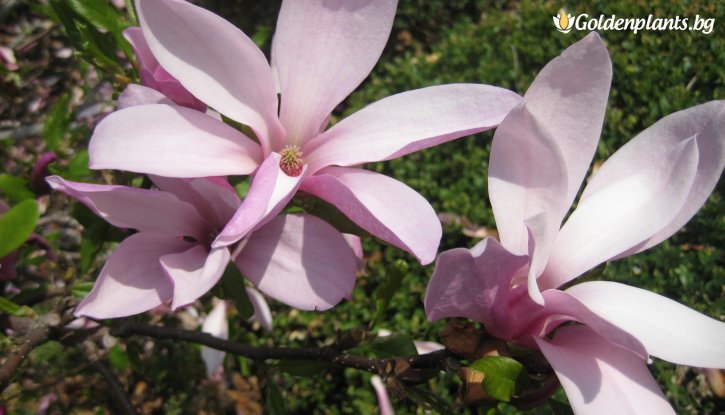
(36,335)
(403,368)
(118,396)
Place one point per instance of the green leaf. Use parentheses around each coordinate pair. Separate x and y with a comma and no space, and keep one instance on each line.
(56,124)
(331,214)
(118,358)
(274,404)
(503,376)
(9,307)
(81,289)
(560,408)
(384,293)
(78,167)
(306,368)
(231,287)
(396,345)
(15,188)
(17,224)
(100,13)
(262,36)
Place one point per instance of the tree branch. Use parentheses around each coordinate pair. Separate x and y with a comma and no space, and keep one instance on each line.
(118,396)
(403,368)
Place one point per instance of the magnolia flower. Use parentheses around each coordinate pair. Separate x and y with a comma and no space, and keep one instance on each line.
(170,258)
(643,194)
(320,53)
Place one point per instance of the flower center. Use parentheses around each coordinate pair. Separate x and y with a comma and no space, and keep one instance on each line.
(291,162)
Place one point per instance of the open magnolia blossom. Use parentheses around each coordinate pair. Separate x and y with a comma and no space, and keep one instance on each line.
(643,194)
(170,258)
(321,51)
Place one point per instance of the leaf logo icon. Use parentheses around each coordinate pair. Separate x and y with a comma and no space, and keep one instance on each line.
(563,21)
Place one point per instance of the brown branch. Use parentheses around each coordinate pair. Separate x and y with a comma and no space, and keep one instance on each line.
(403,368)
(37,334)
(118,396)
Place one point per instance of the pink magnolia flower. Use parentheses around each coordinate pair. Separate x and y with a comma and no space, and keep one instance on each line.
(170,258)
(320,53)
(643,194)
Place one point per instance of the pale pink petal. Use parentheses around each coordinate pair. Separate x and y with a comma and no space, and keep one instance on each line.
(423,347)
(268,194)
(171,141)
(321,51)
(194,272)
(568,99)
(213,197)
(383,206)
(408,122)
(146,60)
(132,280)
(667,329)
(356,244)
(217,325)
(386,408)
(527,177)
(141,209)
(706,123)
(601,378)
(301,261)
(215,61)
(542,150)
(154,76)
(262,313)
(141,95)
(541,236)
(474,284)
(562,306)
(622,214)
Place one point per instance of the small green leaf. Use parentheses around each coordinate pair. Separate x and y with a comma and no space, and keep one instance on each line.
(396,345)
(15,188)
(332,215)
(100,13)
(274,404)
(17,224)
(262,36)
(9,307)
(78,167)
(56,124)
(81,289)
(306,368)
(231,287)
(503,376)
(118,358)
(560,408)
(384,293)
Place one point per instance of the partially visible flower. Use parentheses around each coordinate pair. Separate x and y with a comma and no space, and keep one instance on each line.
(41,171)
(217,325)
(321,52)
(386,408)
(170,258)
(642,195)
(154,76)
